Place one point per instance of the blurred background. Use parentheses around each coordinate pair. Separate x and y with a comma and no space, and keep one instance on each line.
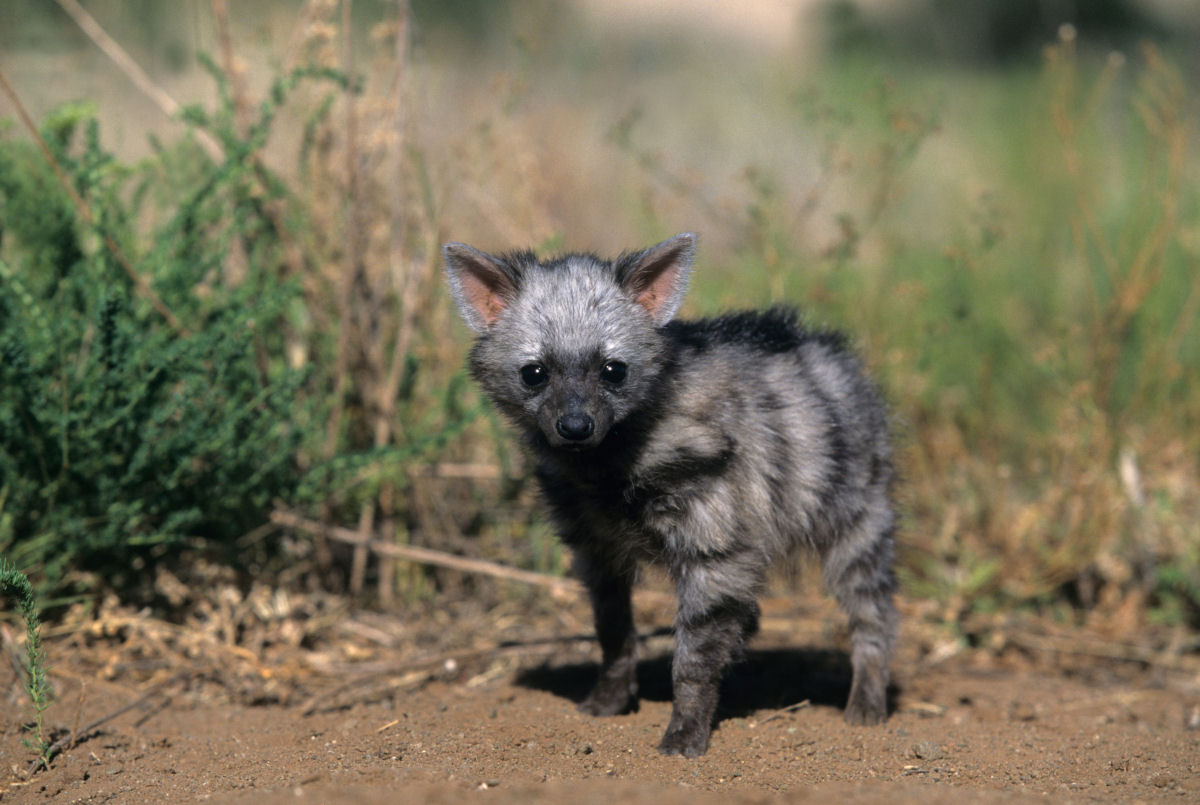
(231,333)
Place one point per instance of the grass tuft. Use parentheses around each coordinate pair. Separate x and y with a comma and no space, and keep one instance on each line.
(15,587)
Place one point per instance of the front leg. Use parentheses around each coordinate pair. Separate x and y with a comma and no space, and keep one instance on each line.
(717,613)
(611,591)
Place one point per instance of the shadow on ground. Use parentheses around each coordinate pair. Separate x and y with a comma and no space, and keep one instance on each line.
(766,680)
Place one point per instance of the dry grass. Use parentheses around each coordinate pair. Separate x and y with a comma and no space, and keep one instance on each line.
(1034,326)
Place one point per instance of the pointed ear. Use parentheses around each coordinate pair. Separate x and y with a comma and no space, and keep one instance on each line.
(483,285)
(657,277)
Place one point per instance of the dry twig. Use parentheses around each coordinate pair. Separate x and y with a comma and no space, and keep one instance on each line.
(418,670)
(556,584)
(791,708)
(1104,649)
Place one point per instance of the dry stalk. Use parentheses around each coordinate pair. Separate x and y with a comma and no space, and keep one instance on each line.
(346,284)
(364,295)
(140,283)
(231,67)
(293,254)
(1102,649)
(1162,118)
(358,562)
(1134,279)
(312,11)
(171,107)
(415,276)
(352,266)
(236,260)
(1085,227)
(87,23)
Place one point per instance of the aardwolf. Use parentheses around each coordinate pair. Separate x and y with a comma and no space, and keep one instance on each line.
(710,447)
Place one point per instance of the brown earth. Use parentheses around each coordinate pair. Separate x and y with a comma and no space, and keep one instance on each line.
(480,706)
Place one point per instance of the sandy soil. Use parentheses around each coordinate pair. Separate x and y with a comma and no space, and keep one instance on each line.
(482,709)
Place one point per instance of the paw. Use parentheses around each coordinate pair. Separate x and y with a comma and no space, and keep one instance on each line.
(689,741)
(864,710)
(610,700)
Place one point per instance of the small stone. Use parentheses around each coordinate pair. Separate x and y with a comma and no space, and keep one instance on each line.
(1163,780)
(926,750)
(1022,711)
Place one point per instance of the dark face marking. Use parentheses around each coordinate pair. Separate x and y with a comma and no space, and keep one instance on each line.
(575,403)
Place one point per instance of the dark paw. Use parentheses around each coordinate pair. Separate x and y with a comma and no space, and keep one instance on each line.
(609,700)
(689,742)
(866,710)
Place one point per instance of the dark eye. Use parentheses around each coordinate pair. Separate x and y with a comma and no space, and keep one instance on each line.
(613,372)
(533,375)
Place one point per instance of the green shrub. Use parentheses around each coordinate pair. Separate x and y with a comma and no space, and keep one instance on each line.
(122,437)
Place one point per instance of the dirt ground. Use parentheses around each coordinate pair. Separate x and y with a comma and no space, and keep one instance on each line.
(444,707)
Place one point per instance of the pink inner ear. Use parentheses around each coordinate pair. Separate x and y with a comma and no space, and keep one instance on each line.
(658,291)
(484,298)
(651,298)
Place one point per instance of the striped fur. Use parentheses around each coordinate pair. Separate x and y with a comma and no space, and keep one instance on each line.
(711,447)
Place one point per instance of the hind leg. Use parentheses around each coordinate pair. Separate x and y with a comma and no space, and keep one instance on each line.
(858,571)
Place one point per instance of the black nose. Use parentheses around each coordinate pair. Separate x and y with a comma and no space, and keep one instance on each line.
(575,426)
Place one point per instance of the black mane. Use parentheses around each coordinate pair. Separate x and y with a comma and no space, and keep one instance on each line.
(777,329)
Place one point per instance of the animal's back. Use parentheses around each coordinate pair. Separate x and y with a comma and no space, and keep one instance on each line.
(773,429)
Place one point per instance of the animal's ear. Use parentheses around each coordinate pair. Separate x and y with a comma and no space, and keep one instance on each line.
(483,285)
(657,277)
